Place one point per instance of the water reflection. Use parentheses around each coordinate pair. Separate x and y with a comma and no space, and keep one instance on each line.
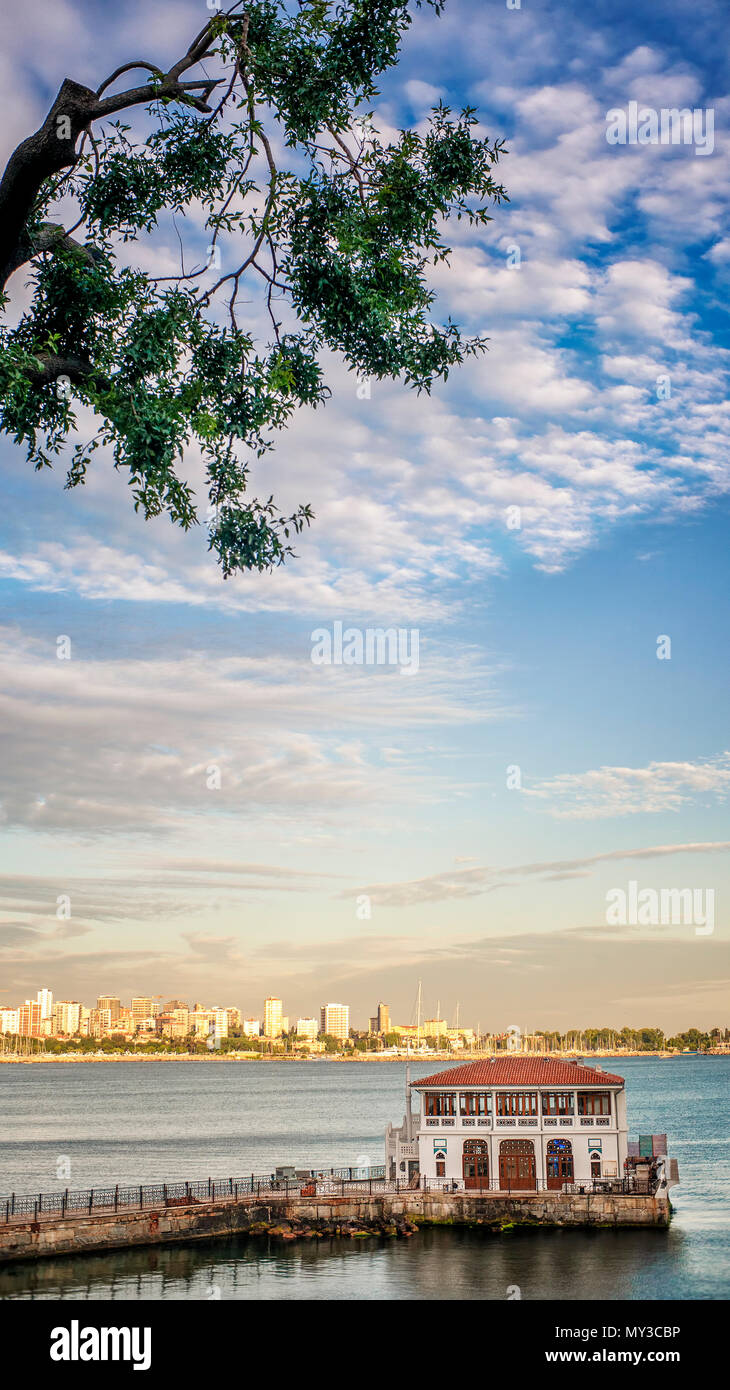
(435,1264)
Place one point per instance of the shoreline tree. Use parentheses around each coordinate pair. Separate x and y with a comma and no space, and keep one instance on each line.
(337,234)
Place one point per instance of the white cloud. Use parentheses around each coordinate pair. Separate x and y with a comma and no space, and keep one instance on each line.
(623,791)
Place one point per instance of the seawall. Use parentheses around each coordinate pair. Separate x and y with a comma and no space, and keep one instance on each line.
(390,1214)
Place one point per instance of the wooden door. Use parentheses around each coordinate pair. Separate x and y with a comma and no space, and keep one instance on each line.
(475,1163)
(517,1165)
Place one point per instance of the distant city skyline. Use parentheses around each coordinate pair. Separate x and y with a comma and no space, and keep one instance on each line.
(332,1018)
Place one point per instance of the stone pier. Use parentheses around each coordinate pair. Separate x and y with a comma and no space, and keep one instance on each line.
(384,1215)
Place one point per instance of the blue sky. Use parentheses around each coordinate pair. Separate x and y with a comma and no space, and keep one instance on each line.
(538,645)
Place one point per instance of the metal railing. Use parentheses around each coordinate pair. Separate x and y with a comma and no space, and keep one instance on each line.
(333,1183)
(97,1200)
(626,1187)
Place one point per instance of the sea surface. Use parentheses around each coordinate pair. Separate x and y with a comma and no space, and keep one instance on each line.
(137,1122)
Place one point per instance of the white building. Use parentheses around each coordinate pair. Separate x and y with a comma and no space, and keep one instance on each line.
(334,1019)
(67,1017)
(273,1019)
(220,1021)
(45,999)
(307,1028)
(9,1022)
(513,1123)
(144,1009)
(251,1027)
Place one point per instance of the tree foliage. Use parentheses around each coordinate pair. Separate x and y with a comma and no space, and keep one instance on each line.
(337,235)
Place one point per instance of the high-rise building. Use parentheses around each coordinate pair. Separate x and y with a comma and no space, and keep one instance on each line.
(220,1021)
(272,1018)
(29,1019)
(9,1020)
(67,1018)
(110,1002)
(380,1022)
(101,1022)
(335,1020)
(307,1028)
(143,1008)
(45,999)
(251,1028)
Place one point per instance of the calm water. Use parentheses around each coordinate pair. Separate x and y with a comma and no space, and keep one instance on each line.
(147,1121)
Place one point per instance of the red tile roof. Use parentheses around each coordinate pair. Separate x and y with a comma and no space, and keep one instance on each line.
(521,1071)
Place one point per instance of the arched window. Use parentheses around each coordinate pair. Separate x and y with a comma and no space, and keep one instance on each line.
(559,1163)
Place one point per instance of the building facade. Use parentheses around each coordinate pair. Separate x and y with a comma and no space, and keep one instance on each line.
(109,1003)
(272,1018)
(334,1020)
(29,1019)
(45,999)
(522,1123)
(9,1020)
(67,1018)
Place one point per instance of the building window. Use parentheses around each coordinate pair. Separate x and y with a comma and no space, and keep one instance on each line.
(517,1102)
(440,1103)
(559,1163)
(475,1103)
(594,1103)
(557,1102)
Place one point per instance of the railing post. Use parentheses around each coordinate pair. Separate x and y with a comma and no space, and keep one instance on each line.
(209,1187)
(12,1209)
(141,1202)
(35,1211)
(91,1200)
(116,1197)
(40,1201)
(187,1192)
(164,1193)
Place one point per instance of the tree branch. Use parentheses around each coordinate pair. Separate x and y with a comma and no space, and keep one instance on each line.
(53,146)
(50,237)
(50,368)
